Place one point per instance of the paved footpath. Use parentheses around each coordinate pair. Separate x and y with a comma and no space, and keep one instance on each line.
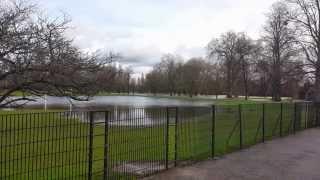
(296,157)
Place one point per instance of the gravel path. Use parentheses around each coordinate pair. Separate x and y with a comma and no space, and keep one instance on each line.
(296,157)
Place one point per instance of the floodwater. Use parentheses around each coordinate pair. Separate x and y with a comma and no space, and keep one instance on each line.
(124,110)
(103,102)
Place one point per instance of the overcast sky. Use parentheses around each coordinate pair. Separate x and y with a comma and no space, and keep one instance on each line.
(143,30)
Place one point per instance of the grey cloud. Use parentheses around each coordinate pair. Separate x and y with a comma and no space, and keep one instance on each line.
(141,60)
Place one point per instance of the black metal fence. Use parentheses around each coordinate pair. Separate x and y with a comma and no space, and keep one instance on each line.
(128,143)
(54,145)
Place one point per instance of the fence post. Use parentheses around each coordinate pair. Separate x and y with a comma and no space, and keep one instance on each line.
(90,154)
(317,108)
(315,119)
(213,131)
(176,137)
(281,118)
(167,137)
(240,121)
(305,115)
(295,118)
(263,122)
(106,131)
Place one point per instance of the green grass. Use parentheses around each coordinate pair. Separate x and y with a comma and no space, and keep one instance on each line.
(17,93)
(47,143)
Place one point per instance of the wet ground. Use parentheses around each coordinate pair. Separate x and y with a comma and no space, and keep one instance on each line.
(102,102)
(296,157)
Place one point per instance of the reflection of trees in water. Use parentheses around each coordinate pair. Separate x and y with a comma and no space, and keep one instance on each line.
(126,116)
(148,116)
(156,115)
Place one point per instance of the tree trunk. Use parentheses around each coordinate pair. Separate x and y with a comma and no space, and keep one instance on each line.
(229,84)
(276,83)
(316,90)
(245,79)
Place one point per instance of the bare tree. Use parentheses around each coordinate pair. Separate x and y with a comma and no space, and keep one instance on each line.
(217,76)
(224,49)
(153,81)
(306,15)
(192,76)
(169,66)
(128,74)
(244,49)
(279,38)
(36,58)
(14,40)
(235,51)
(261,70)
(207,78)
(108,75)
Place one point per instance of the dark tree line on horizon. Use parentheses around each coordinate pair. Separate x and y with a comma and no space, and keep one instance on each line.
(37,58)
(284,61)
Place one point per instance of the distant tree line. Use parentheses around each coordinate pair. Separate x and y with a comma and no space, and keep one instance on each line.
(116,79)
(284,61)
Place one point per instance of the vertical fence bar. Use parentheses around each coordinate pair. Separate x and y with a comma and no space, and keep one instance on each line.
(167,138)
(240,127)
(295,117)
(315,115)
(213,131)
(317,108)
(2,133)
(263,122)
(176,138)
(281,118)
(106,135)
(318,115)
(306,116)
(90,154)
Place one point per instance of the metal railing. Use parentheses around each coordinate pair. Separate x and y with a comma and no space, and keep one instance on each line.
(128,143)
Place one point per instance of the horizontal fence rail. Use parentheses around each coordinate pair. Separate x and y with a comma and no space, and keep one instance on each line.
(129,143)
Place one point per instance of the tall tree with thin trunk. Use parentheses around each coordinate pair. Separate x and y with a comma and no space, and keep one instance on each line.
(279,38)
(244,49)
(192,76)
(224,49)
(169,65)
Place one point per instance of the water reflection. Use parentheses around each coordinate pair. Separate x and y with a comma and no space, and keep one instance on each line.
(133,117)
(102,102)
(144,117)
(123,110)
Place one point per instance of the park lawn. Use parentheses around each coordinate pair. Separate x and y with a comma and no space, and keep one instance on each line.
(47,142)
